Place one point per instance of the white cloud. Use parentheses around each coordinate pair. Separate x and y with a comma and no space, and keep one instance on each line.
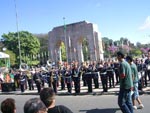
(146,24)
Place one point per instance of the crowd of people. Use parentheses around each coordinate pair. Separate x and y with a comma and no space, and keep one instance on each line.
(132,74)
(44,104)
(69,76)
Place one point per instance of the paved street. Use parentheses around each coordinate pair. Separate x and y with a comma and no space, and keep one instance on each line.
(96,102)
(84,104)
(84,90)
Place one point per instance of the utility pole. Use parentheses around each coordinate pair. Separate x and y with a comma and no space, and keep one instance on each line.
(18,35)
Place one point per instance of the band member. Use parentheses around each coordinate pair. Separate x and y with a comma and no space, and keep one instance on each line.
(37,79)
(68,79)
(30,80)
(62,77)
(22,81)
(76,78)
(43,77)
(16,79)
(138,64)
(110,73)
(89,77)
(142,70)
(54,77)
(147,62)
(104,77)
(83,70)
(95,75)
(48,78)
(116,68)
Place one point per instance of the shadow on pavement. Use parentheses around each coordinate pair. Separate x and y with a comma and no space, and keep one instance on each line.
(108,110)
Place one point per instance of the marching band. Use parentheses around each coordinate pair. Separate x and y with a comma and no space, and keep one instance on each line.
(68,76)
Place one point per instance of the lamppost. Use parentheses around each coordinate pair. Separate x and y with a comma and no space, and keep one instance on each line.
(18,35)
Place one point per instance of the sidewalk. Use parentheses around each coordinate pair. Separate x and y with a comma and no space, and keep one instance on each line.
(84,91)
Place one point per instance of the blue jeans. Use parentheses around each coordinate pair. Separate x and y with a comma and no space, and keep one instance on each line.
(125,101)
(136,91)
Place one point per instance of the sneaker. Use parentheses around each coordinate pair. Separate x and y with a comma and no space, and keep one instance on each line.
(134,107)
(141,106)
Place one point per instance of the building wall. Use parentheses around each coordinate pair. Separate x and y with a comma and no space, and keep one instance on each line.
(73,37)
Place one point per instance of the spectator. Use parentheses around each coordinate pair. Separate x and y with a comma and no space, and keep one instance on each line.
(126,85)
(47,95)
(34,105)
(8,106)
(135,96)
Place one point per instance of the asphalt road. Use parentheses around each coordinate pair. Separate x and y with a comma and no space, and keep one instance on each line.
(83,104)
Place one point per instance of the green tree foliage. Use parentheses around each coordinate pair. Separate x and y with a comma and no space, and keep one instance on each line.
(63,52)
(12,57)
(85,49)
(43,39)
(106,43)
(136,52)
(124,45)
(29,44)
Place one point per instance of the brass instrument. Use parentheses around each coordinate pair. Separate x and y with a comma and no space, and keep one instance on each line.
(23,67)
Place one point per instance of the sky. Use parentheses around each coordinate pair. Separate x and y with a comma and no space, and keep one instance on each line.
(115,18)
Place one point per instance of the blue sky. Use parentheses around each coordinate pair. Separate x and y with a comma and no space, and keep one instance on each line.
(115,18)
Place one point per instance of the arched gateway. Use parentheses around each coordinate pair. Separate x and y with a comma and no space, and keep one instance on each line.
(76,37)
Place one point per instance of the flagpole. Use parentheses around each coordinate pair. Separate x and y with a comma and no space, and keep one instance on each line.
(18,34)
(65,39)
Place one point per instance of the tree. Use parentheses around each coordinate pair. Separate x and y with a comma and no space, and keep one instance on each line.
(112,49)
(12,57)
(86,53)
(43,38)
(29,44)
(63,52)
(136,52)
(105,42)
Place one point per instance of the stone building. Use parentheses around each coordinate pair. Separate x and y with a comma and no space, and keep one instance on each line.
(73,35)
